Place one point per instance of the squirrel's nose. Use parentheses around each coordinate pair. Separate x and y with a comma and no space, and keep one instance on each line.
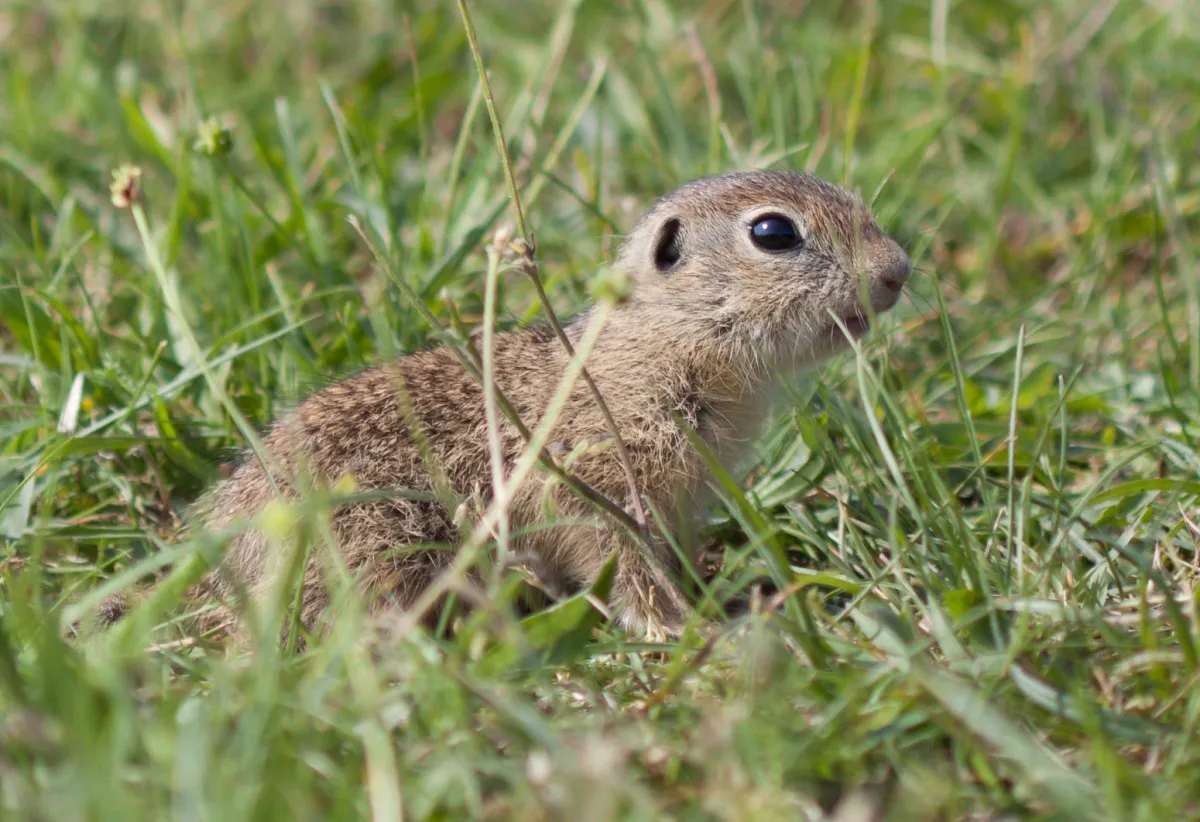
(895,270)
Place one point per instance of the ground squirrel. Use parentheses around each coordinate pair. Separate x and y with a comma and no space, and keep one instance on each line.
(734,281)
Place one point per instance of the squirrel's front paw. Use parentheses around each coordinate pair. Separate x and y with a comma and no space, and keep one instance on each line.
(660,624)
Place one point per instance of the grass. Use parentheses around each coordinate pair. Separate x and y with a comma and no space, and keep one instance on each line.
(990,517)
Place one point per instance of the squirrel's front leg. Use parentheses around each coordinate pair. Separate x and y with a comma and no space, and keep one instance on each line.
(645,600)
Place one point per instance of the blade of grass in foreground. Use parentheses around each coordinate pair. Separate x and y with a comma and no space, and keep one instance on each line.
(1070,791)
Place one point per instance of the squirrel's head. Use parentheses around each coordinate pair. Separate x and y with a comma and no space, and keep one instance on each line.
(758,264)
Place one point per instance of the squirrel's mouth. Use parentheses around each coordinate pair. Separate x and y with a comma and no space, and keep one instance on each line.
(857,326)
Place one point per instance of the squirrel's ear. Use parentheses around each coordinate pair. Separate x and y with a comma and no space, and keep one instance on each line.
(668,250)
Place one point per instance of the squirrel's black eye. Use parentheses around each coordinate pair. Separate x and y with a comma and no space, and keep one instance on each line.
(773,232)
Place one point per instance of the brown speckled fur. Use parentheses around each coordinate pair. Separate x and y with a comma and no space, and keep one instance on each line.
(704,340)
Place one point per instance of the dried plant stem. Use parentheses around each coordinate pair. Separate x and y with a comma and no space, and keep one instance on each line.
(490,404)
(528,265)
(709,76)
